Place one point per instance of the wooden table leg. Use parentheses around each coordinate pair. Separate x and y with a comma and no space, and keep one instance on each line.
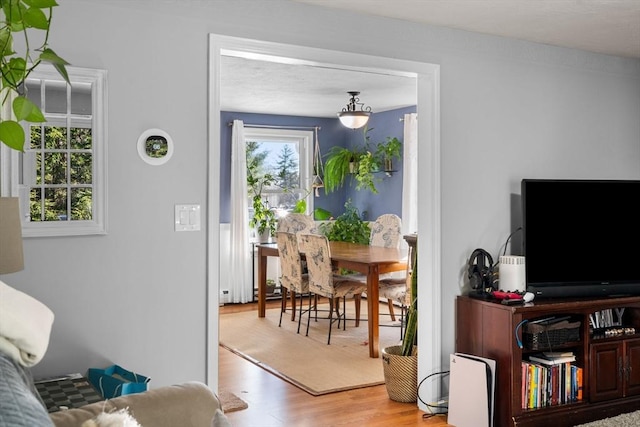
(373,306)
(262,282)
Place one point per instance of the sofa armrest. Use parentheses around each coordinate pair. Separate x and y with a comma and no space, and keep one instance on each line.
(191,404)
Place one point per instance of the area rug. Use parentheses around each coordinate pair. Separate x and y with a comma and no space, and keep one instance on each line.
(631,419)
(307,361)
(230,402)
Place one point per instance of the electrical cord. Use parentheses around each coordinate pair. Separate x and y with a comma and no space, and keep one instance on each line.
(509,238)
(430,406)
(516,332)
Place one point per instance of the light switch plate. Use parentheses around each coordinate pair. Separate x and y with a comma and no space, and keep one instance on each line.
(187,218)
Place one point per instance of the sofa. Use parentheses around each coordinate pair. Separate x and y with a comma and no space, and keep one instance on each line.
(25,326)
(190,404)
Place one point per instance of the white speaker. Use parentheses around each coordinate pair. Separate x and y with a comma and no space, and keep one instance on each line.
(512,277)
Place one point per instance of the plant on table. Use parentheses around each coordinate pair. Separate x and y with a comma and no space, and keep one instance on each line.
(348,227)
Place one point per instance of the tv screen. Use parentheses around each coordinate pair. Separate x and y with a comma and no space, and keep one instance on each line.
(581,237)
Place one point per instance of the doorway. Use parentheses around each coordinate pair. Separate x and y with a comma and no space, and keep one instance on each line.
(428,107)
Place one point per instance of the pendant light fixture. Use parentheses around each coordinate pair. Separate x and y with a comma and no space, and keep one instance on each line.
(350,116)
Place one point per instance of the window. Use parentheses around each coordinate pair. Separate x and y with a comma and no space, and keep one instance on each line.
(286,155)
(61,176)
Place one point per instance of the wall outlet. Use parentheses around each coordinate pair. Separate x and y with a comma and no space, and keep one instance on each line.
(224,296)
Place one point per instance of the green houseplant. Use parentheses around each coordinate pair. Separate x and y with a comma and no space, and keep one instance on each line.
(362,162)
(365,179)
(264,219)
(31,19)
(348,227)
(389,150)
(400,362)
(339,164)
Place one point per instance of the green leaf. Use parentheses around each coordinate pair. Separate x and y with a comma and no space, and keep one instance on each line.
(24,109)
(48,55)
(42,4)
(12,134)
(13,73)
(13,12)
(35,18)
(6,42)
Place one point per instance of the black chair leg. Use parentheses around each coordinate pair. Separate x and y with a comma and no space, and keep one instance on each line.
(331,324)
(300,315)
(309,316)
(283,305)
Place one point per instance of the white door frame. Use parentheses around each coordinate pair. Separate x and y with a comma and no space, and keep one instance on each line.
(429,247)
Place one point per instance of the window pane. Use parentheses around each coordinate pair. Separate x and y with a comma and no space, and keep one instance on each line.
(81,204)
(39,167)
(55,95)
(55,137)
(81,98)
(55,204)
(35,204)
(80,139)
(80,168)
(36,137)
(33,92)
(55,168)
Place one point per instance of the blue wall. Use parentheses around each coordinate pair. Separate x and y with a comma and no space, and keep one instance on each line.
(381,125)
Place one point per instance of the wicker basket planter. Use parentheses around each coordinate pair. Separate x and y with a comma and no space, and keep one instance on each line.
(400,374)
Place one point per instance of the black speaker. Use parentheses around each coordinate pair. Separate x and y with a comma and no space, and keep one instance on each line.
(480,270)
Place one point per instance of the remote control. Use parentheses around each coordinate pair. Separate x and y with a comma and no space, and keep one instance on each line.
(509,301)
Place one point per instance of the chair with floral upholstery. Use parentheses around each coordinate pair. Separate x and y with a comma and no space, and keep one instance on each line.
(296,223)
(324,282)
(386,231)
(292,279)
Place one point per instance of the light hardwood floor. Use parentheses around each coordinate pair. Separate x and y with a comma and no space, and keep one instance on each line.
(274,402)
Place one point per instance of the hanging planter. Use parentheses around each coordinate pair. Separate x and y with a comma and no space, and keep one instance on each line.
(318,169)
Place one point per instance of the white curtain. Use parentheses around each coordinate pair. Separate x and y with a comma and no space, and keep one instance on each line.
(240,276)
(410,175)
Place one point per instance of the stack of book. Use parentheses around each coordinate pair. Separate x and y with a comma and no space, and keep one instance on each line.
(549,379)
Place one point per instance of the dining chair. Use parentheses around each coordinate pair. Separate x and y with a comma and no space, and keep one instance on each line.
(386,232)
(292,279)
(325,282)
(296,223)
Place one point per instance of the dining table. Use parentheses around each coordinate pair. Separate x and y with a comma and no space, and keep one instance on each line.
(365,259)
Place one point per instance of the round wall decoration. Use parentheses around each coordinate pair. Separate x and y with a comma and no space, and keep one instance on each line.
(155,146)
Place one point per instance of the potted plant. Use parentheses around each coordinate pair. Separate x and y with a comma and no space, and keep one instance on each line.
(264,219)
(368,164)
(340,163)
(30,19)
(400,362)
(389,150)
(348,227)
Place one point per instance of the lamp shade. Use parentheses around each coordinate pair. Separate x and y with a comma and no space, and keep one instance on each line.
(11,257)
(351,116)
(354,119)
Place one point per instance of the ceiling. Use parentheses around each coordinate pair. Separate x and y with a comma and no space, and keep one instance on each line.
(601,26)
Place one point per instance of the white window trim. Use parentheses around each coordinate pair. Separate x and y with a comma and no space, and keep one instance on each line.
(10,160)
(304,138)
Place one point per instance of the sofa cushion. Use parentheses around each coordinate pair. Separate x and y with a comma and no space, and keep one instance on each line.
(191,404)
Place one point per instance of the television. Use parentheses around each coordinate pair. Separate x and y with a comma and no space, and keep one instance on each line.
(581,238)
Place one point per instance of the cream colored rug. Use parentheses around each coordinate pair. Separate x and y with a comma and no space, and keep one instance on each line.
(230,402)
(308,362)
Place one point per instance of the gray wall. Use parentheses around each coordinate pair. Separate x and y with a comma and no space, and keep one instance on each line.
(136,296)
